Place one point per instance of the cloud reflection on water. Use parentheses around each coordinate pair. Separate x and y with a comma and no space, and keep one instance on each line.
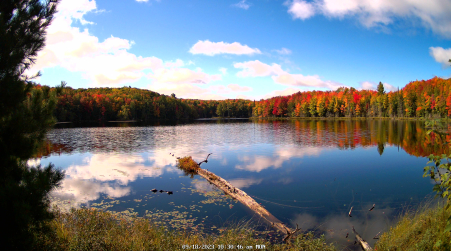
(336,226)
(110,174)
(257,163)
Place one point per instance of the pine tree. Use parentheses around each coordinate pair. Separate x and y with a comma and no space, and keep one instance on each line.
(25,116)
(380,89)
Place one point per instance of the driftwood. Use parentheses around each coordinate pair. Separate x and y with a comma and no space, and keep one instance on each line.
(362,242)
(375,237)
(245,199)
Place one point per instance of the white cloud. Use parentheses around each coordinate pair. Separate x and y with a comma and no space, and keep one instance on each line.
(237,88)
(182,75)
(307,81)
(284,51)
(389,87)
(301,9)
(223,70)
(279,76)
(177,63)
(213,48)
(367,86)
(68,10)
(145,1)
(433,14)
(441,55)
(258,69)
(242,4)
(285,92)
(107,62)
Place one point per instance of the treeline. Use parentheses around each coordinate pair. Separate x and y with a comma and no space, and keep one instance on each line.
(431,98)
(107,104)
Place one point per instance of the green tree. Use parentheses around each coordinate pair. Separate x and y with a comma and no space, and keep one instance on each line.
(25,117)
(380,89)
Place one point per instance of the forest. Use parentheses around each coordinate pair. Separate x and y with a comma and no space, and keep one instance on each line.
(126,103)
(431,98)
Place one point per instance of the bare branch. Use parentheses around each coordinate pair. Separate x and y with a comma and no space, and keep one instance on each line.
(206,159)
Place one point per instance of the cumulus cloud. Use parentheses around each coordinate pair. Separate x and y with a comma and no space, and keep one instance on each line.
(433,14)
(279,76)
(213,48)
(242,4)
(105,62)
(284,51)
(307,81)
(441,55)
(258,69)
(182,75)
(237,88)
(301,9)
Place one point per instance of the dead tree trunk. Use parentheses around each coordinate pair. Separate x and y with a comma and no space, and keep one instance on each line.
(361,241)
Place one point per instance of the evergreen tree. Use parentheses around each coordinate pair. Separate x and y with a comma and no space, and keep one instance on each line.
(380,89)
(25,117)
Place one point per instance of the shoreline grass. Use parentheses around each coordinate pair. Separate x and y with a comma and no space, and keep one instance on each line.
(418,229)
(92,229)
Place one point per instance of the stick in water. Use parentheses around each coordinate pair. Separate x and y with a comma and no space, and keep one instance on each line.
(350,212)
(371,209)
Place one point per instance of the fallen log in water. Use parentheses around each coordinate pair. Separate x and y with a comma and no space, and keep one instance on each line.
(362,242)
(191,167)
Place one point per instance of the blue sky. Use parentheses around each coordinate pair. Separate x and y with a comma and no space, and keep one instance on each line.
(218,49)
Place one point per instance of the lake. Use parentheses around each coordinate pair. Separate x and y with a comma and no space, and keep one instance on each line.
(309,172)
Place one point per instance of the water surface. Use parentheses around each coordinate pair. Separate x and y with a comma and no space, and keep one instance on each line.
(309,172)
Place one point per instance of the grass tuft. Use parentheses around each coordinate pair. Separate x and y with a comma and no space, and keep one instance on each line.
(422,229)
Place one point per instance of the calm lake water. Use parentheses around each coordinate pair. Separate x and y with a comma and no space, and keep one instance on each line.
(309,172)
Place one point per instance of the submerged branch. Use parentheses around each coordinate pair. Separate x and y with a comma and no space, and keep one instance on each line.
(362,242)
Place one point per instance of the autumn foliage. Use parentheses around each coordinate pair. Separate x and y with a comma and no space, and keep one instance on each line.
(431,98)
(417,99)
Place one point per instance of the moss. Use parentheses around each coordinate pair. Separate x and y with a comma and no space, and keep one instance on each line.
(188,165)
